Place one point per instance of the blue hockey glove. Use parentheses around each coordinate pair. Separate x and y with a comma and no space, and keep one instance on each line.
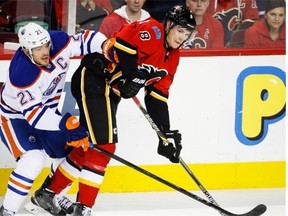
(76,135)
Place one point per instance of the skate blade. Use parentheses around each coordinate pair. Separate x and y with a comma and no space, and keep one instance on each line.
(34,209)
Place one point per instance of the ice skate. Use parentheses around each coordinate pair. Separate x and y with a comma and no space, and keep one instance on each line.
(5,212)
(47,200)
(65,204)
(81,210)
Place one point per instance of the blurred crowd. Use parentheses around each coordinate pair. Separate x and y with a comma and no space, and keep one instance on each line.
(220,23)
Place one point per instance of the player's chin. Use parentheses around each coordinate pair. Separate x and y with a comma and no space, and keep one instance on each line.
(44,62)
(174,45)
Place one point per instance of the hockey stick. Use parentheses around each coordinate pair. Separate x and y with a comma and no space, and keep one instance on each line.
(183,164)
(258,210)
(164,139)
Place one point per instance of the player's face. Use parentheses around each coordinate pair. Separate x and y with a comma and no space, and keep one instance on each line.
(41,54)
(135,5)
(177,36)
(198,7)
(275,18)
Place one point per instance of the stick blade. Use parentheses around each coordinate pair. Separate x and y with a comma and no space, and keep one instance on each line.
(258,210)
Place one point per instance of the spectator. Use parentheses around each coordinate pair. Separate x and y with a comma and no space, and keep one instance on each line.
(89,15)
(270,31)
(234,15)
(61,9)
(128,13)
(209,31)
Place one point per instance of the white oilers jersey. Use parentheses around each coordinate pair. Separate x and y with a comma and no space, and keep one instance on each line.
(32,92)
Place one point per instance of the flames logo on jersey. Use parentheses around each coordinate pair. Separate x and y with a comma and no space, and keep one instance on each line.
(53,84)
(155,74)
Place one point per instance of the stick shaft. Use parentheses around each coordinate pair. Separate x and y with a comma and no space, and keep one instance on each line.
(163,181)
(257,211)
(202,188)
(183,164)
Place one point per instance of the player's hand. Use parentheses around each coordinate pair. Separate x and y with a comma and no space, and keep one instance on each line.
(76,135)
(130,86)
(171,150)
(109,51)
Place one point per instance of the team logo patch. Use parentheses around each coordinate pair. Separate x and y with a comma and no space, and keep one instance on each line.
(53,84)
(145,35)
(157,32)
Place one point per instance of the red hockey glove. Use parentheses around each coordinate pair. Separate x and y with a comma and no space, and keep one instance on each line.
(76,135)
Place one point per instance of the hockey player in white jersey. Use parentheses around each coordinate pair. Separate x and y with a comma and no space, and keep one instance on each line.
(31,126)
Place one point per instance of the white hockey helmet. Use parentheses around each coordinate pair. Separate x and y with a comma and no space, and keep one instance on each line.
(32,35)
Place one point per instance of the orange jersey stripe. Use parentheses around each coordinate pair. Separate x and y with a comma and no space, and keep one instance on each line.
(56,98)
(15,150)
(33,113)
(19,184)
(86,34)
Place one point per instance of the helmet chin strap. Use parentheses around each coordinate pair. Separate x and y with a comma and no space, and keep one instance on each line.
(30,56)
(167,30)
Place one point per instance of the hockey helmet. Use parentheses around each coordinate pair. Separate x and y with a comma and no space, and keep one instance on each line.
(32,35)
(181,16)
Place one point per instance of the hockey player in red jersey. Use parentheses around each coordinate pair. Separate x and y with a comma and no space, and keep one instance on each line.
(142,54)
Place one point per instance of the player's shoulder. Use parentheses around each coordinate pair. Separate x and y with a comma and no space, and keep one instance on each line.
(59,40)
(149,23)
(112,16)
(209,18)
(56,35)
(212,21)
(22,72)
(152,26)
(258,26)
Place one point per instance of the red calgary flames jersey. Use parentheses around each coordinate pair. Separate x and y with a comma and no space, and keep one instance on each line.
(147,40)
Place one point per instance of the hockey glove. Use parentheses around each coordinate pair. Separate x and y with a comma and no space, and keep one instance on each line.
(171,150)
(130,87)
(76,135)
(109,51)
